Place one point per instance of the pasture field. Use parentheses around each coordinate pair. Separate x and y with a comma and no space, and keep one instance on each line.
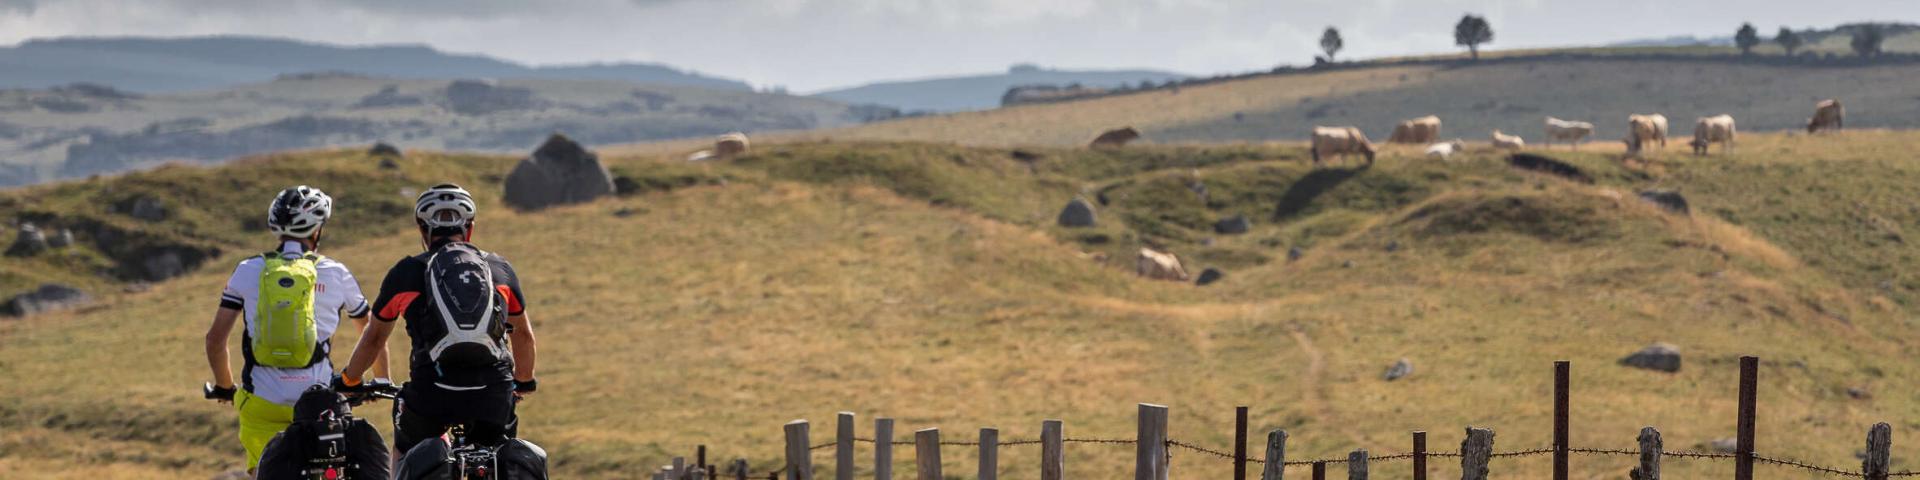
(928,282)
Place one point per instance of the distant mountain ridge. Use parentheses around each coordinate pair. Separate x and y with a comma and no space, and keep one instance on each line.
(979,92)
(156,65)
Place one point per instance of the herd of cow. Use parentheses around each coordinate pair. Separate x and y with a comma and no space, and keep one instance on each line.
(1641,129)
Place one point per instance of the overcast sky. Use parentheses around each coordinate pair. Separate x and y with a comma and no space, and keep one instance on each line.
(810,45)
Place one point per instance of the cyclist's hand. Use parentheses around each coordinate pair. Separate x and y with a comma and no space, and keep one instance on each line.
(340,386)
(217,393)
(521,389)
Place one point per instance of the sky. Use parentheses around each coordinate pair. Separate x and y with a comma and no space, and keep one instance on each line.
(811,45)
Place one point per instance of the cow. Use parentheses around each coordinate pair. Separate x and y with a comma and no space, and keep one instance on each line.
(1645,128)
(1710,130)
(1507,142)
(730,145)
(1421,130)
(1567,131)
(1115,138)
(1445,150)
(1340,141)
(1159,266)
(1827,115)
(700,156)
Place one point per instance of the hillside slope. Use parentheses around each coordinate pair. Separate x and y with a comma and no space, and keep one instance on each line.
(157,64)
(979,92)
(928,283)
(1513,94)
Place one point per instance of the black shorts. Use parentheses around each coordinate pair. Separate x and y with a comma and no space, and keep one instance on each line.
(422,413)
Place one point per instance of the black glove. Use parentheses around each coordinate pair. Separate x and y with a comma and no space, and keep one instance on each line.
(527,386)
(339,385)
(217,393)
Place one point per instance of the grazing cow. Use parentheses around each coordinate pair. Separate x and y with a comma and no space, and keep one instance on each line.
(1567,131)
(1340,141)
(1160,266)
(1417,131)
(700,156)
(1507,142)
(1645,128)
(730,145)
(1710,130)
(1445,150)
(1115,138)
(1827,115)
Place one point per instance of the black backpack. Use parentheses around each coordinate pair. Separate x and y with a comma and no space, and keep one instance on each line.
(473,314)
(512,459)
(325,442)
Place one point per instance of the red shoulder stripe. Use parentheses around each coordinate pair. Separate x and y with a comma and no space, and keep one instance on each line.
(397,305)
(513,303)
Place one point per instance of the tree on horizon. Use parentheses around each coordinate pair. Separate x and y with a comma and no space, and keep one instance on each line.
(1867,40)
(1472,31)
(1746,38)
(1331,43)
(1788,40)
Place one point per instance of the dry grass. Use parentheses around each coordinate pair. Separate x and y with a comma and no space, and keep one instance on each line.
(714,314)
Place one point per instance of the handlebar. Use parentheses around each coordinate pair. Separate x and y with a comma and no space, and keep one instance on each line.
(376,389)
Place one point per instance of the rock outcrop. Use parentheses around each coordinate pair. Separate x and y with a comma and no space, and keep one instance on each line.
(559,172)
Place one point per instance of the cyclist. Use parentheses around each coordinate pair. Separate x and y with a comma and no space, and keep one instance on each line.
(291,299)
(473,345)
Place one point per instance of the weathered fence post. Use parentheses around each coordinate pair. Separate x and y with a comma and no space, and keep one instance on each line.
(1276,455)
(1743,448)
(1475,450)
(1879,440)
(989,454)
(1650,447)
(1240,442)
(1419,455)
(679,468)
(883,449)
(1053,460)
(1562,371)
(843,447)
(799,452)
(926,453)
(1319,470)
(700,458)
(739,469)
(1150,447)
(1357,465)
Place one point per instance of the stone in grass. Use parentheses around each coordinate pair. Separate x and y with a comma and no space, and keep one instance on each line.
(1659,357)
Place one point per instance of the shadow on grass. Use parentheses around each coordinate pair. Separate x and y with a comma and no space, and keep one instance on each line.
(1303,192)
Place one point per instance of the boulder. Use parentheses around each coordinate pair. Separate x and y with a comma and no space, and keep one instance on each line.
(163,265)
(29,242)
(383,149)
(559,172)
(1294,254)
(1667,199)
(144,207)
(63,239)
(1859,393)
(1400,368)
(1159,265)
(1078,213)
(48,297)
(1209,276)
(1659,356)
(1233,225)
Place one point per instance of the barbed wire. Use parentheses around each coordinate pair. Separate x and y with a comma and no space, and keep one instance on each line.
(1806,466)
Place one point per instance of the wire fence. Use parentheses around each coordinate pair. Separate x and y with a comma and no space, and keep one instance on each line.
(1158,449)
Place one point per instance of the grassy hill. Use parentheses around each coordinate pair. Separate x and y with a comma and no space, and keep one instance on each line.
(1512,91)
(927,282)
(979,92)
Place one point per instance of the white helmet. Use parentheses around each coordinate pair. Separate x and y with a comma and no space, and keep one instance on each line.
(444,206)
(298,212)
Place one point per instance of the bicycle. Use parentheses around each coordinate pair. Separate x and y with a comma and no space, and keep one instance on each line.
(328,458)
(466,459)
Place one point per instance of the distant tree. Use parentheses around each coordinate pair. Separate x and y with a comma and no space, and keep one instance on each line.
(1330,42)
(1866,40)
(1746,38)
(1471,32)
(1788,40)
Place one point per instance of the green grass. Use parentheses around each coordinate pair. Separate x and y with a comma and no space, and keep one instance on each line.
(928,283)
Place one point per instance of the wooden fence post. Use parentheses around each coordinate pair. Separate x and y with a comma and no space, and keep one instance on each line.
(739,469)
(989,454)
(926,453)
(1276,455)
(679,468)
(1240,442)
(1150,447)
(1053,460)
(883,449)
(799,452)
(1475,450)
(1650,448)
(1319,470)
(1879,440)
(1357,465)
(1743,448)
(1562,371)
(843,447)
(1419,455)
(700,458)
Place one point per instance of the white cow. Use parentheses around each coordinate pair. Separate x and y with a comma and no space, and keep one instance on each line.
(1445,150)
(1340,141)
(1710,130)
(1645,128)
(1507,142)
(1567,131)
(1159,265)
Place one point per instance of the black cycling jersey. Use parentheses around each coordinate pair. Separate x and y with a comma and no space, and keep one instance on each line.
(400,296)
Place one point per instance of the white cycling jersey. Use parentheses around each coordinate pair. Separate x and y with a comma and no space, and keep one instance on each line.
(336,292)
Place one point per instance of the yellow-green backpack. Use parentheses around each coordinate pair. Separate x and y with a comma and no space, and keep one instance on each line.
(287,336)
